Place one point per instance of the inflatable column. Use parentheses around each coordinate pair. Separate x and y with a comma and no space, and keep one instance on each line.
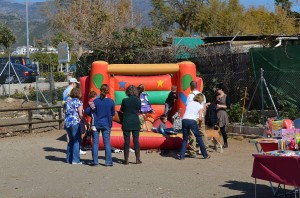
(84,86)
(99,76)
(187,73)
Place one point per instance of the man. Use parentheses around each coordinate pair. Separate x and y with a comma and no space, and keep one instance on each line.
(192,140)
(72,84)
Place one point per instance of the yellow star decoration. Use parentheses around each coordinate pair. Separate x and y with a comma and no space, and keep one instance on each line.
(160,83)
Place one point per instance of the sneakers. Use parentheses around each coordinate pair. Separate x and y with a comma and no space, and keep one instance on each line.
(207,157)
(131,150)
(179,157)
(76,162)
(82,152)
(118,151)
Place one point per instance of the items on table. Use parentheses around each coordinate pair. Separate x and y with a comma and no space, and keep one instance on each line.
(282,153)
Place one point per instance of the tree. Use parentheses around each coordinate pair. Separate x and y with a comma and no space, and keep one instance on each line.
(258,21)
(285,5)
(61,37)
(178,15)
(88,23)
(284,24)
(224,17)
(7,38)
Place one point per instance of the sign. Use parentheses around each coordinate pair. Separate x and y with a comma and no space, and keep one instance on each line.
(63,52)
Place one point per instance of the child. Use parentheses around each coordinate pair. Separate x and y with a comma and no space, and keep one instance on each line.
(163,128)
(92,96)
(177,122)
(169,103)
(145,105)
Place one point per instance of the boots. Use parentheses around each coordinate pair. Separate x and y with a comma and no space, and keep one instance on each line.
(137,155)
(225,145)
(126,156)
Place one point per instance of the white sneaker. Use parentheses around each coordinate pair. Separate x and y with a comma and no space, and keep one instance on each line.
(76,162)
(82,152)
(131,150)
(118,151)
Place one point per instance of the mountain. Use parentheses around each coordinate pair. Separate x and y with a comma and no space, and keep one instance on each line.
(13,14)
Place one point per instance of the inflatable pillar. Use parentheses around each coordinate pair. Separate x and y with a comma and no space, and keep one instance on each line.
(187,73)
(99,76)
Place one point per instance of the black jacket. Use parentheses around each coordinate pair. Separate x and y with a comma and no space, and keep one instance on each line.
(130,108)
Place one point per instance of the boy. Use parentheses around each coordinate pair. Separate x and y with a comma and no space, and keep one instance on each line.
(163,128)
(169,103)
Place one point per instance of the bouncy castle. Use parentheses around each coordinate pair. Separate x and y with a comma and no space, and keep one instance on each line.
(157,79)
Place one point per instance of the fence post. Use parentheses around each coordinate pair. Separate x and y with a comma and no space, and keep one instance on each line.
(60,117)
(30,120)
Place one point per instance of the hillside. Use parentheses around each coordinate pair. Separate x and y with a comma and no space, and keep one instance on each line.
(14,15)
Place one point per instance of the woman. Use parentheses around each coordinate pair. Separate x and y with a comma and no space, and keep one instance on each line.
(104,111)
(223,103)
(73,116)
(193,111)
(131,123)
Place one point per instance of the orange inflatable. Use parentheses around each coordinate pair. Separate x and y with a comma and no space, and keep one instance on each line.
(157,79)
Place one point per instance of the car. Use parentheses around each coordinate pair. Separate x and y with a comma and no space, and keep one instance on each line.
(25,74)
(19,60)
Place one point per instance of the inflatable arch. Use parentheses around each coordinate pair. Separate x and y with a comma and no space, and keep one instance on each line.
(157,79)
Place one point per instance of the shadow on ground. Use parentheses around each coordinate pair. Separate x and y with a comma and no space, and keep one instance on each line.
(51,149)
(248,189)
(63,138)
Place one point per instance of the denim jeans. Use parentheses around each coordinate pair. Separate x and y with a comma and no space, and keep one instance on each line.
(187,125)
(107,147)
(73,144)
(95,135)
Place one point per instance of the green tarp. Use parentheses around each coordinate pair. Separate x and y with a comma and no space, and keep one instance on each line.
(281,71)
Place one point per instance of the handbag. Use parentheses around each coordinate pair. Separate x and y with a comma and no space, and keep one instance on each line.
(120,115)
(82,127)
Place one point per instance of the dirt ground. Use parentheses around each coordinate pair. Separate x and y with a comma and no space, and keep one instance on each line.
(33,165)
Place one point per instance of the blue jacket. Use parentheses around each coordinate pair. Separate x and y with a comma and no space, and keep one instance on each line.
(105,110)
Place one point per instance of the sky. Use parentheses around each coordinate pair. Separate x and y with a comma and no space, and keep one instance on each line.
(268,3)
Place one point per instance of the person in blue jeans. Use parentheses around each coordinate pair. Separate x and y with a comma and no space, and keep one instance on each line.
(104,110)
(73,116)
(193,111)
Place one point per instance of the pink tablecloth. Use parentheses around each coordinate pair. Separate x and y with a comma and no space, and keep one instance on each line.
(279,169)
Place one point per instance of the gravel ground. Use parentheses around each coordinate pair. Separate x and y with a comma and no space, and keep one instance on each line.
(33,165)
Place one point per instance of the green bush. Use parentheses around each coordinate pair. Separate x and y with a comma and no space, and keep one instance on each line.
(57,76)
(18,95)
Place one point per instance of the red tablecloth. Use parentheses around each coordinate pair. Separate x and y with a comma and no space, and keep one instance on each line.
(279,169)
(268,146)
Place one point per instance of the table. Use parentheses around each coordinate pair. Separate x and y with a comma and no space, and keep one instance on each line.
(265,144)
(279,169)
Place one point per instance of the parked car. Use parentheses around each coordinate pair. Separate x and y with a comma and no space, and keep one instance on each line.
(19,60)
(25,74)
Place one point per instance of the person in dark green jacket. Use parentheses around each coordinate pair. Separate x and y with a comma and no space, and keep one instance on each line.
(131,123)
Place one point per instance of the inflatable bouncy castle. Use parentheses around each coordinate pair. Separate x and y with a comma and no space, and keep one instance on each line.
(157,79)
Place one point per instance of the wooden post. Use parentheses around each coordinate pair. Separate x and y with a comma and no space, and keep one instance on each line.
(60,117)
(30,120)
